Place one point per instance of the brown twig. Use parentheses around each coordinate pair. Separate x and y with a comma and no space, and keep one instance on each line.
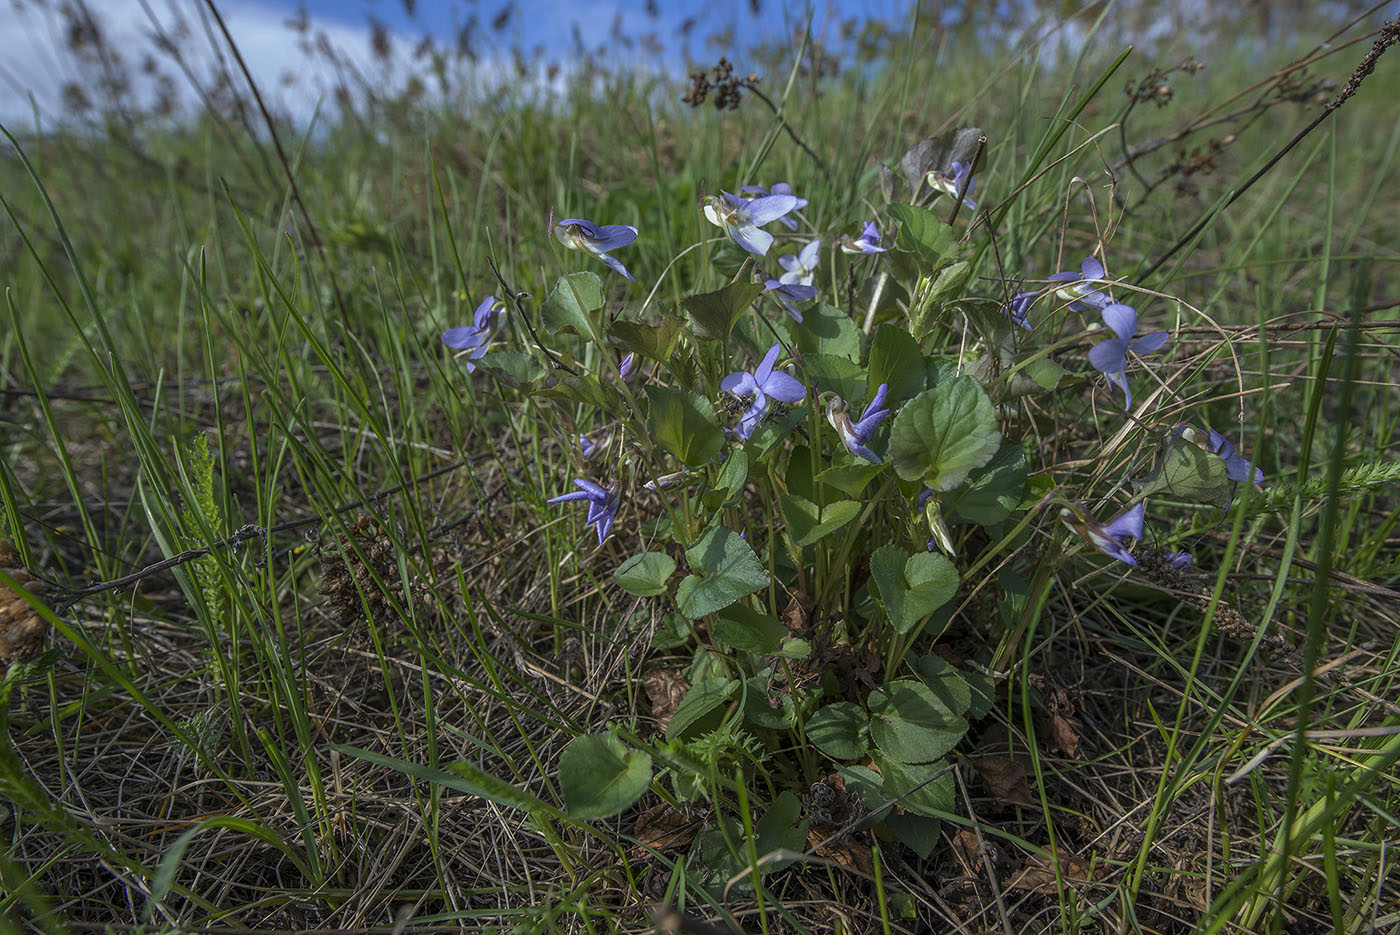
(752,88)
(1389,35)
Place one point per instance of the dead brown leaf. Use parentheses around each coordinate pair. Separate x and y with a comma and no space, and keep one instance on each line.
(848,853)
(1005,779)
(665,688)
(22,630)
(797,615)
(1038,875)
(968,850)
(663,828)
(1064,733)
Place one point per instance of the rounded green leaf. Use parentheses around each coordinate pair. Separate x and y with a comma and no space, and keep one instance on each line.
(645,575)
(744,628)
(599,777)
(839,730)
(946,681)
(909,723)
(942,434)
(924,789)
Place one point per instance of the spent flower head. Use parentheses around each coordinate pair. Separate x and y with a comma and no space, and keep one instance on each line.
(779,188)
(854,435)
(1110,357)
(762,384)
(579,234)
(476,337)
(742,219)
(602,503)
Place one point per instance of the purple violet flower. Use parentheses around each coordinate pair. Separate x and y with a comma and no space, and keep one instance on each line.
(624,369)
(960,182)
(1237,468)
(1111,538)
(1110,357)
(742,219)
(764,382)
(1177,561)
(1019,309)
(867,242)
(1078,287)
(788,293)
(800,268)
(476,337)
(855,435)
(602,504)
(578,234)
(779,188)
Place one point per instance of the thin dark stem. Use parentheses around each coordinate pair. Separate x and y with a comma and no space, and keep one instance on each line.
(520,310)
(753,89)
(244,534)
(967,179)
(282,158)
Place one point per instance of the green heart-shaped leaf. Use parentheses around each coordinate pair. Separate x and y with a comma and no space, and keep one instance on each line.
(912,587)
(809,523)
(850,479)
(700,700)
(825,329)
(654,341)
(572,302)
(599,777)
(896,361)
(839,375)
(684,423)
(744,628)
(992,491)
(910,723)
(715,313)
(725,569)
(645,575)
(921,232)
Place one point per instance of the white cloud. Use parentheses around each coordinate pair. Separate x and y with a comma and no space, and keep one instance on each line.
(35,64)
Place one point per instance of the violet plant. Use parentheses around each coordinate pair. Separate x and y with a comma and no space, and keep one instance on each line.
(775,531)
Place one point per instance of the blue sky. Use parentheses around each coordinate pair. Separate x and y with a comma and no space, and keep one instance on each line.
(34,68)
